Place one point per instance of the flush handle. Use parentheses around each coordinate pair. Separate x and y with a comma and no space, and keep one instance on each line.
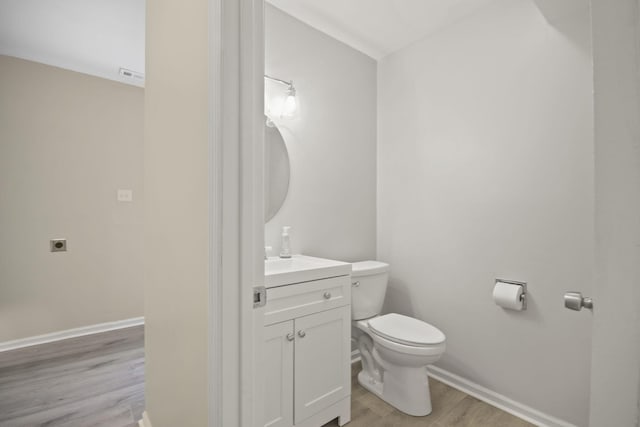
(575,301)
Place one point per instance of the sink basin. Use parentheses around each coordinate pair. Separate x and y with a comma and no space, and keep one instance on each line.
(301,268)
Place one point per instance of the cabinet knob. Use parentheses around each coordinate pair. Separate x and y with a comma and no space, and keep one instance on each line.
(290,336)
(327,295)
(302,333)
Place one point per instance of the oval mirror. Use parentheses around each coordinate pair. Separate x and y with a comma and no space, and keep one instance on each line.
(276,170)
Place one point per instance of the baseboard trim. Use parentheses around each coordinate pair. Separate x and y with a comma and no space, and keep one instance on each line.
(500,401)
(144,422)
(517,409)
(70,333)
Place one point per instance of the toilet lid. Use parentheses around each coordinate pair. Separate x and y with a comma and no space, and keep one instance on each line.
(406,330)
(366,268)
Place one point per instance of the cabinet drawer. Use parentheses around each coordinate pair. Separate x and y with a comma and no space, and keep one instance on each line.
(301,299)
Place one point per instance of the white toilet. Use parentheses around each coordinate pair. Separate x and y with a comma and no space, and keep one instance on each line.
(395,349)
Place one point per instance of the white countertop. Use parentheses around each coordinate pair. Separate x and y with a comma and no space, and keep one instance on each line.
(301,268)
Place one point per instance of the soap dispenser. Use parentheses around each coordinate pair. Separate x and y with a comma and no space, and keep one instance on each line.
(285,247)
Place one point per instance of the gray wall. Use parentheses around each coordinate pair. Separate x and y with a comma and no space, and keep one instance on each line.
(485,162)
(615,377)
(331,202)
(68,141)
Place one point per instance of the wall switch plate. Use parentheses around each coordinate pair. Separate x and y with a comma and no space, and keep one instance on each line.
(125,195)
(58,245)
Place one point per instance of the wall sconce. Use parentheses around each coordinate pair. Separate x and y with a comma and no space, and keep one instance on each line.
(283,108)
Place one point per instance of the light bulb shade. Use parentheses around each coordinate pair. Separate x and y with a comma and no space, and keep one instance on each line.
(279,105)
(274,107)
(289,106)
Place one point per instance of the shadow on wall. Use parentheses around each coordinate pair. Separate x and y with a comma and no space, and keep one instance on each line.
(398,299)
(572,28)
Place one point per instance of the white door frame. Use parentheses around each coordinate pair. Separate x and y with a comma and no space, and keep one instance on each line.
(615,373)
(236,126)
(236,226)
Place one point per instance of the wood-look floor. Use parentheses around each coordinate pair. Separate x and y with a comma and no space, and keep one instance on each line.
(451,408)
(98,381)
(92,381)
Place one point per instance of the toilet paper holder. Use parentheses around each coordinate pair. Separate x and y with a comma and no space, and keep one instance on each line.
(523,297)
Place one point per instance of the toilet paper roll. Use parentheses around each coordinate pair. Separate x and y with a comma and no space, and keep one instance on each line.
(508,295)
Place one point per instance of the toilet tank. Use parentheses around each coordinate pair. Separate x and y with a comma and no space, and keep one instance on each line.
(369,285)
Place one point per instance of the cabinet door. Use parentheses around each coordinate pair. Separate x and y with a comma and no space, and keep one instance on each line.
(322,360)
(278,374)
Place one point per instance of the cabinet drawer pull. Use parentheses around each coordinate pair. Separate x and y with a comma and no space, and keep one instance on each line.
(327,295)
(302,333)
(290,336)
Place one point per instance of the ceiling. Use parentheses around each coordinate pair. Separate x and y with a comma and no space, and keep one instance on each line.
(379,27)
(99,37)
(95,37)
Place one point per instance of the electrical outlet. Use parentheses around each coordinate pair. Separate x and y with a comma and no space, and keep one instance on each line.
(58,245)
(125,195)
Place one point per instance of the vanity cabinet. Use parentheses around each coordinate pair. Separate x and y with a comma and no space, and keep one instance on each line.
(307,353)
(278,374)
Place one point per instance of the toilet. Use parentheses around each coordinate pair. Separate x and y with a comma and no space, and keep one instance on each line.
(395,349)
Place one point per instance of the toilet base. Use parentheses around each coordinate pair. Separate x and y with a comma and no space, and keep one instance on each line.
(370,384)
(406,389)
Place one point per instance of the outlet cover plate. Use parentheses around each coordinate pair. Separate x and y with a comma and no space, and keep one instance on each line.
(125,195)
(58,245)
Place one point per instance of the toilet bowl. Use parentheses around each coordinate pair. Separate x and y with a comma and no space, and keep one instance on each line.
(395,349)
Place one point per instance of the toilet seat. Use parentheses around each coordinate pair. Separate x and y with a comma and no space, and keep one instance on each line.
(405,330)
(420,351)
